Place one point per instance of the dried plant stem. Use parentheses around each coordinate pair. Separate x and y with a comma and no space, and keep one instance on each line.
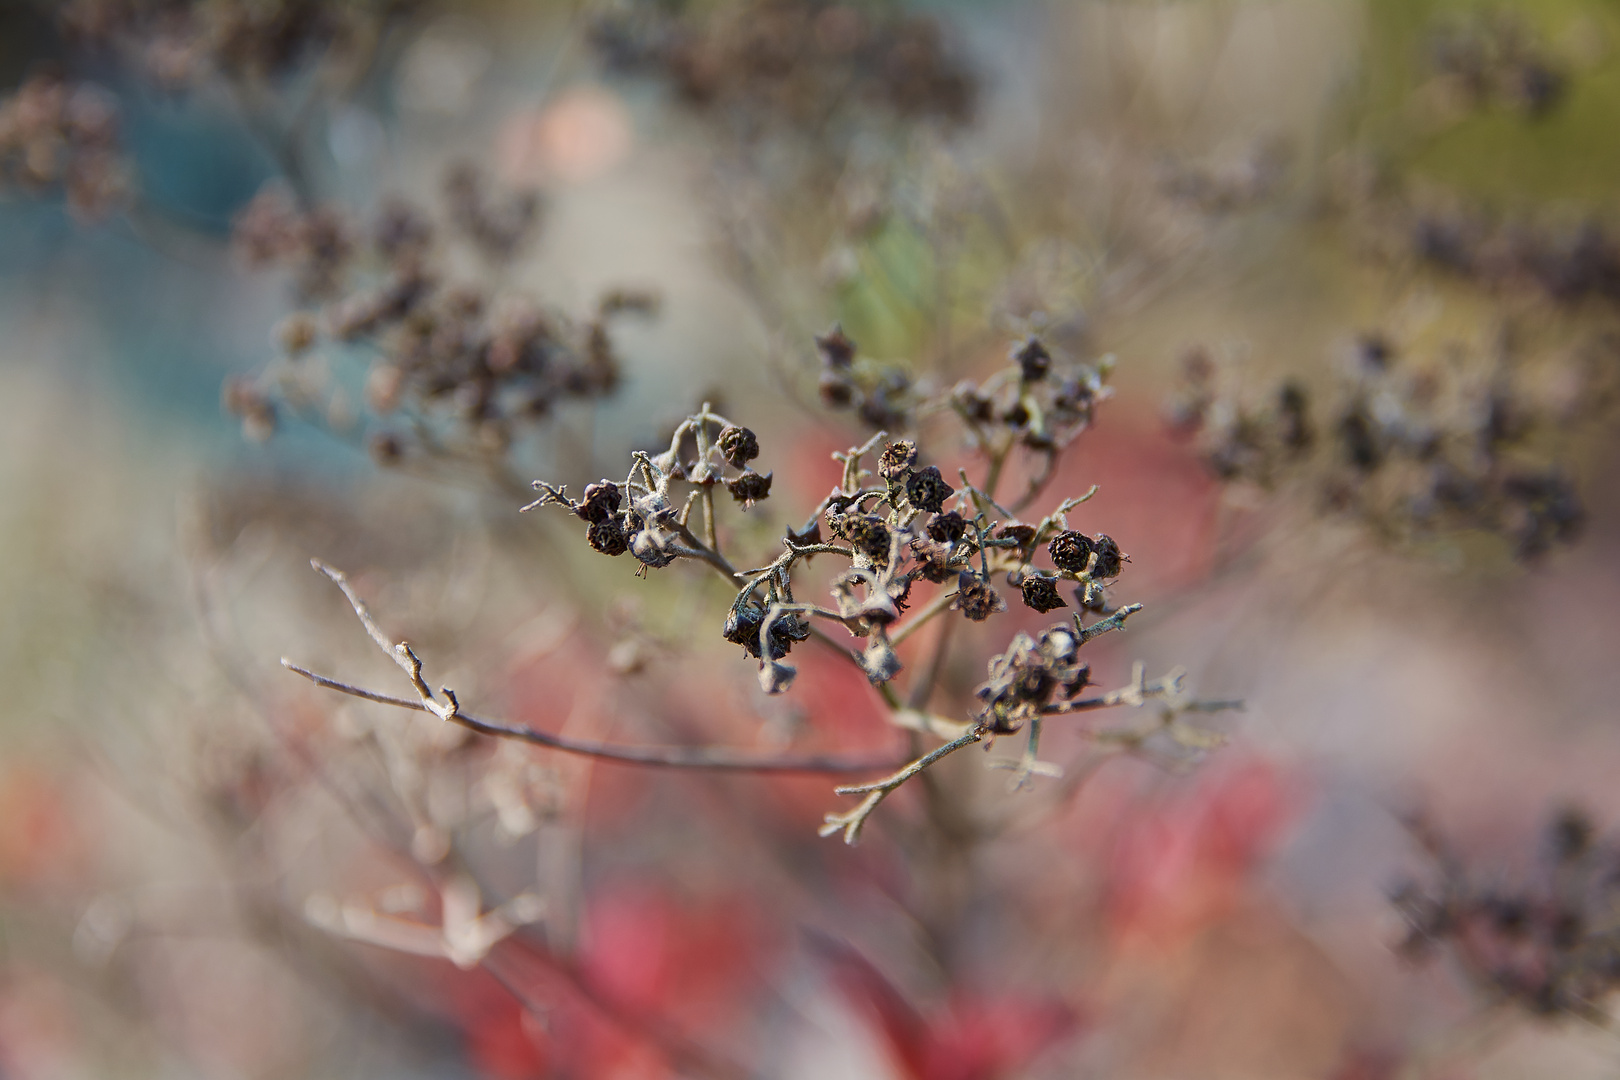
(850,823)
(702,758)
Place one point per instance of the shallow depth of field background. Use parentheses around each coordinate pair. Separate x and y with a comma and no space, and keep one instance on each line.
(179,817)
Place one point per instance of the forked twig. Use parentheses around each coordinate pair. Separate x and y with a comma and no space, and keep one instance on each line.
(714,759)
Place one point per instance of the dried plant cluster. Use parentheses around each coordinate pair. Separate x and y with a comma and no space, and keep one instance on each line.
(456,368)
(57,134)
(1414,446)
(1489,57)
(900,526)
(180,43)
(799,63)
(1549,945)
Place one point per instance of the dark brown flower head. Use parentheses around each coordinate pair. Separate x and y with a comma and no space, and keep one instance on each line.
(738,445)
(933,562)
(601,501)
(1041,594)
(743,624)
(606,536)
(927,489)
(1030,675)
(836,390)
(975,598)
(975,406)
(810,536)
(948,528)
(1070,551)
(1033,360)
(868,534)
(897,458)
(836,350)
(750,487)
(1017,531)
(1109,556)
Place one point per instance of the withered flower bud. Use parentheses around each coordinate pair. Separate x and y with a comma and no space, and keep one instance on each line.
(606,536)
(1108,556)
(1033,360)
(927,489)
(975,598)
(738,445)
(1070,551)
(810,536)
(897,458)
(947,528)
(1041,594)
(974,405)
(868,534)
(837,392)
(601,501)
(750,487)
(836,350)
(1017,531)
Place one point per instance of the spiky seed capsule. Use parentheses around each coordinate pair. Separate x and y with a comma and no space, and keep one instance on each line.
(601,501)
(1041,594)
(927,489)
(1070,551)
(836,349)
(1033,360)
(750,487)
(606,536)
(1108,556)
(975,598)
(738,444)
(897,458)
(868,534)
(1021,534)
(837,392)
(947,528)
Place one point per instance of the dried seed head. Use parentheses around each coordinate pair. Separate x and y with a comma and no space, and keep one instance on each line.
(750,487)
(879,661)
(601,501)
(947,528)
(927,489)
(1017,531)
(1041,593)
(836,350)
(607,537)
(1108,556)
(1033,360)
(1070,551)
(868,534)
(836,389)
(975,598)
(810,536)
(974,405)
(897,458)
(738,445)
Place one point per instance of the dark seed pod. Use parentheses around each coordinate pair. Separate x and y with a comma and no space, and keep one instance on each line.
(601,501)
(975,598)
(927,489)
(836,350)
(837,392)
(811,535)
(606,536)
(1033,360)
(1108,556)
(1041,594)
(738,444)
(868,534)
(897,458)
(974,405)
(750,487)
(1018,532)
(947,528)
(1070,551)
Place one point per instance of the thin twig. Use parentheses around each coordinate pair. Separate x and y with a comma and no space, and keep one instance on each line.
(850,823)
